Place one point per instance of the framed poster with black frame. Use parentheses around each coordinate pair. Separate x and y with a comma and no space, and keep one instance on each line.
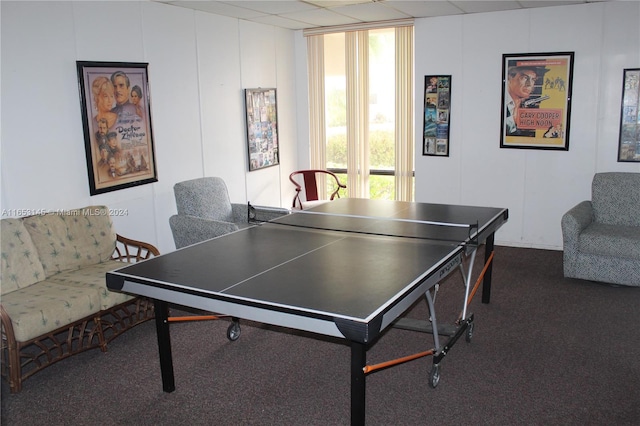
(437,115)
(629,142)
(262,128)
(536,100)
(116,117)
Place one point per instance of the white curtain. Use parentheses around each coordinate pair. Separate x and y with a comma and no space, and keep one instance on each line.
(404,114)
(317,131)
(357,94)
(357,70)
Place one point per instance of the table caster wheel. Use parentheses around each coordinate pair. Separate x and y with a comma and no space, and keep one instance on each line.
(469,333)
(233,332)
(434,375)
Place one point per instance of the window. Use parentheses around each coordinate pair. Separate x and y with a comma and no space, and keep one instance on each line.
(361,96)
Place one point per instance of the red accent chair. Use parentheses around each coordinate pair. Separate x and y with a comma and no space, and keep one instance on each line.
(306,183)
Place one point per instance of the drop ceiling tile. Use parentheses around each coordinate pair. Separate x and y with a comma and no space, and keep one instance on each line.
(272,7)
(424,8)
(219,8)
(282,22)
(336,3)
(321,17)
(544,3)
(314,13)
(370,12)
(481,6)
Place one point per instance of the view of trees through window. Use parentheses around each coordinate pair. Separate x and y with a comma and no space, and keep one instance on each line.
(381,110)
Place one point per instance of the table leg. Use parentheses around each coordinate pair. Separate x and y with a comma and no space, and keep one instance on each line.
(486,282)
(164,345)
(358,362)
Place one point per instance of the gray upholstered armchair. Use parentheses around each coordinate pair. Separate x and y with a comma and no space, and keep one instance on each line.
(205,211)
(602,236)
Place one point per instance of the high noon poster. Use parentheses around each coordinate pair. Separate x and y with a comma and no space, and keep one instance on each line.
(536,100)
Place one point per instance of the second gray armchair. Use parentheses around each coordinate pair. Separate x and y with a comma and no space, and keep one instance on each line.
(602,236)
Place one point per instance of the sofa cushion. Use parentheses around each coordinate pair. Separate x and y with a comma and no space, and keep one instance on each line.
(21,266)
(616,198)
(611,240)
(93,276)
(45,306)
(72,239)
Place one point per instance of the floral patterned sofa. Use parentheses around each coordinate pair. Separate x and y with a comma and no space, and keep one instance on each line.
(55,302)
(602,236)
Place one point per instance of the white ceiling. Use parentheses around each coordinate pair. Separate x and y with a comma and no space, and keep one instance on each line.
(302,14)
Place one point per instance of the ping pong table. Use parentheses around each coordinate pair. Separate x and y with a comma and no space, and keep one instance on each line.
(348,268)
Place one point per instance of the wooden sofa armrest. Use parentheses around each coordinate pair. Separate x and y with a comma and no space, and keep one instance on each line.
(10,356)
(131,251)
(7,328)
(118,319)
(20,360)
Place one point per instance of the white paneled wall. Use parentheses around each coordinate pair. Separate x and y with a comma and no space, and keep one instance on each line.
(537,186)
(222,108)
(199,64)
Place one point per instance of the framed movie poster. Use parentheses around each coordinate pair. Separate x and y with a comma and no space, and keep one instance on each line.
(262,128)
(536,100)
(437,114)
(116,116)
(629,144)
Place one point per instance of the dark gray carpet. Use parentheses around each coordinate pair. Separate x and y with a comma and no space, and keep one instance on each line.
(546,351)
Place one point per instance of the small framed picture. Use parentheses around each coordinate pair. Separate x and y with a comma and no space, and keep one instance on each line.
(629,143)
(536,100)
(116,117)
(262,128)
(437,114)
